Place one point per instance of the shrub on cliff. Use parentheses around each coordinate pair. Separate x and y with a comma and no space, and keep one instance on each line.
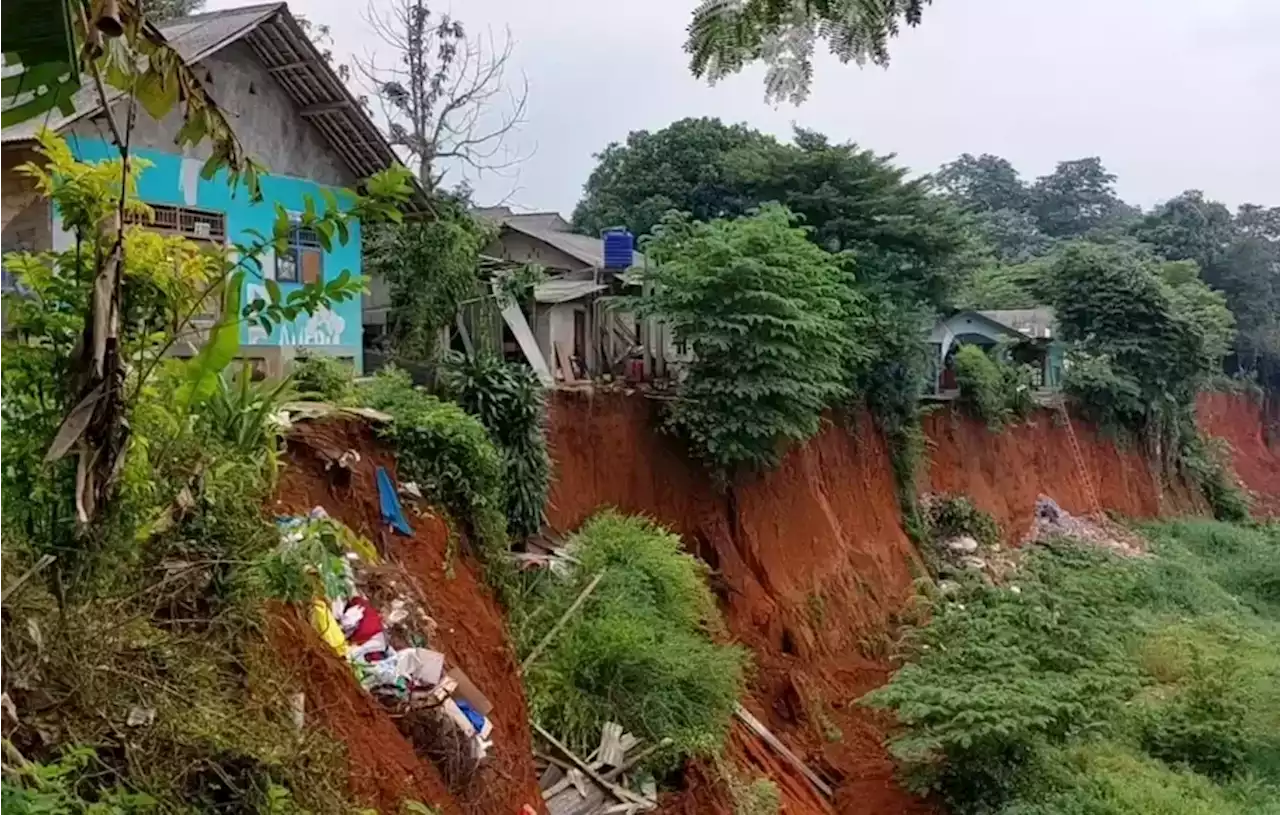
(766,314)
(995,391)
(451,457)
(510,402)
(640,650)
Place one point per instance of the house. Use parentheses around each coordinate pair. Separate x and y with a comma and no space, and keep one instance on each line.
(578,334)
(290,111)
(1028,334)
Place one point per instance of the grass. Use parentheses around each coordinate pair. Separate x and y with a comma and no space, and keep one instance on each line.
(1105,685)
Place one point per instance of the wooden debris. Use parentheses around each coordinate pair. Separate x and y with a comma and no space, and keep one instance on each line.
(782,750)
(621,793)
(611,752)
(564,618)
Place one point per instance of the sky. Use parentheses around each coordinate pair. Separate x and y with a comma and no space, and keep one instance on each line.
(1172,94)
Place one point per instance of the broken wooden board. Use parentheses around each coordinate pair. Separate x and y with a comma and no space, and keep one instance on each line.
(782,750)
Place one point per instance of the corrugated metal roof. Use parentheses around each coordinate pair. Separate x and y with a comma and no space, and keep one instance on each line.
(1036,323)
(286,51)
(562,291)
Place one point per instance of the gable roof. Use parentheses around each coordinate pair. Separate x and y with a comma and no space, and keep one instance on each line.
(277,40)
(554,231)
(1035,323)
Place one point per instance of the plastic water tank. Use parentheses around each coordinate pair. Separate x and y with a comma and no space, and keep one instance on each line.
(619,249)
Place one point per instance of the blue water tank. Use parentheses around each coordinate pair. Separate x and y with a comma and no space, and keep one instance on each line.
(619,249)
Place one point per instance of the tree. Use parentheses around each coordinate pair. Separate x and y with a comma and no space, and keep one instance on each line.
(689,165)
(766,315)
(727,35)
(1011,235)
(983,184)
(1077,197)
(440,96)
(157,11)
(431,266)
(1189,227)
(901,235)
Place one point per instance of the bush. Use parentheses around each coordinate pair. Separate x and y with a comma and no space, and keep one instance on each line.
(640,651)
(951,516)
(1204,728)
(766,315)
(323,378)
(453,460)
(509,401)
(994,391)
(1205,461)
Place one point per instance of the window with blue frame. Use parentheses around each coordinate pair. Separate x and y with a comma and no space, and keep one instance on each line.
(303,262)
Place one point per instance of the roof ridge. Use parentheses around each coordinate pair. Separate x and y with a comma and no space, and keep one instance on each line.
(224,12)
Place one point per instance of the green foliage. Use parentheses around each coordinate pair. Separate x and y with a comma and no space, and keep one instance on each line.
(951,516)
(1143,685)
(995,391)
(244,414)
(1078,197)
(902,237)
(55,789)
(430,266)
(453,460)
(1206,459)
(726,37)
(765,314)
(510,402)
(639,651)
(323,377)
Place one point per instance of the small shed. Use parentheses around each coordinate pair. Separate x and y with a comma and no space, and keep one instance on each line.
(1027,333)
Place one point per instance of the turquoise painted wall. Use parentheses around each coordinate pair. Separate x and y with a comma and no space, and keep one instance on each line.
(162,183)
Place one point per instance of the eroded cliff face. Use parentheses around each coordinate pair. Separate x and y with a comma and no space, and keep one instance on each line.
(812,564)
(1250,426)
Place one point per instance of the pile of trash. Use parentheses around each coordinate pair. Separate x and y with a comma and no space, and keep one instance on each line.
(387,643)
(1052,521)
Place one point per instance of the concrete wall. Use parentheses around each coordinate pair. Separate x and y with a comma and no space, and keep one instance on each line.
(174,179)
(521,248)
(261,113)
(27,222)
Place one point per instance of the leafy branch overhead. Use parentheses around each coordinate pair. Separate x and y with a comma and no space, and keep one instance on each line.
(727,35)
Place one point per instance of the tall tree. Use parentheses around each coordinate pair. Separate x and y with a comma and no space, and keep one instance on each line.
(689,165)
(985,183)
(1077,197)
(849,198)
(1189,227)
(727,35)
(444,94)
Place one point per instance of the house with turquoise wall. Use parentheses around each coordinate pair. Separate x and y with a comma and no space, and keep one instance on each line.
(290,111)
(1025,336)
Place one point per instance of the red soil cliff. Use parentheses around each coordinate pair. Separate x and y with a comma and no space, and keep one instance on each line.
(382,767)
(811,562)
(1251,427)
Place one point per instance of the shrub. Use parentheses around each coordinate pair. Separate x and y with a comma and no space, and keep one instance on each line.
(324,378)
(994,391)
(766,314)
(950,516)
(1204,728)
(1205,461)
(453,460)
(509,401)
(639,651)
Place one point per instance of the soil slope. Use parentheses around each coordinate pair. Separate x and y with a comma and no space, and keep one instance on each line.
(383,768)
(1251,427)
(812,565)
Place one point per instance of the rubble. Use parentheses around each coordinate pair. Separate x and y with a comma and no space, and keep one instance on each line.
(1052,521)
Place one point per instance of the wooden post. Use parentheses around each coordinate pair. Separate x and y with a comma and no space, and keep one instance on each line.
(564,618)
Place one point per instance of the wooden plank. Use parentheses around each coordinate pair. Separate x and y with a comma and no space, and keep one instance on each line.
(611,752)
(324,107)
(636,759)
(782,750)
(564,618)
(622,793)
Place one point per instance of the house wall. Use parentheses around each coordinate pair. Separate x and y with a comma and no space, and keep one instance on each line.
(27,222)
(174,179)
(262,114)
(520,248)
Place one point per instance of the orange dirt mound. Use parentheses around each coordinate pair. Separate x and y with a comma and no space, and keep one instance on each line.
(1252,428)
(382,766)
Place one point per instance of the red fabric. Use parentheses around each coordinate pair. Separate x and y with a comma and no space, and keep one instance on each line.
(370,624)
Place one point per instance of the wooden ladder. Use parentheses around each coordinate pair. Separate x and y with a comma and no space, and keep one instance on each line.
(1090,494)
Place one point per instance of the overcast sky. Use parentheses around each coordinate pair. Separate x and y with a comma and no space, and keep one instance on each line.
(1172,94)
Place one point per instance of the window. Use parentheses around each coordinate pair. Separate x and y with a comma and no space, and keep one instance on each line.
(195,224)
(303,262)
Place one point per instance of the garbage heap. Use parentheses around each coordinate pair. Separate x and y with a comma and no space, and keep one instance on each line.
(384,635)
